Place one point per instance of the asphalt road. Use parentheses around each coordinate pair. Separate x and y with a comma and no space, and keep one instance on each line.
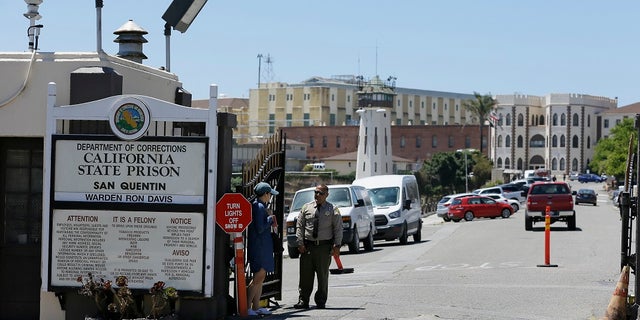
(482,269)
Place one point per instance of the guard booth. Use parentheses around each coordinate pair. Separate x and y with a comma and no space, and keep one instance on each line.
(138,202)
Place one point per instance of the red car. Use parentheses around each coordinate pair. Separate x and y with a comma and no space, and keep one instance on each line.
(478,206)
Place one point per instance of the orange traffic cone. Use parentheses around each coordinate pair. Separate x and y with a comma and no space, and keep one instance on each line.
(617,308)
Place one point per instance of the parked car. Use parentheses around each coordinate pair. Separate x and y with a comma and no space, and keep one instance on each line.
(396,205)
(355,206)
(573,176)
(509,191)
(442,209)
(590,177)
(513,203)
(586,196)
(471,207)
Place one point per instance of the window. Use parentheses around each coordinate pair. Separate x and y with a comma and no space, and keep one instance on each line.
(588,142)
(537,141)
(563,120)
(310,142)
(508,120)
(520,142)
(541,119)
(418,142)
(21,182)
(507,141)
(519,164)
(562,142)
(574,142)
(272,123)
(499,162)
(575,120)
(434,141)
(606,123)
(451,142)
(554,141)
(402,142)
(520,120)
(555,119)
(588,120)
(467,142)
(499,141)
(338,142)
(507,163)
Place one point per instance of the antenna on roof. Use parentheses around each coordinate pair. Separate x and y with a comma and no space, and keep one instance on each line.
(33,32)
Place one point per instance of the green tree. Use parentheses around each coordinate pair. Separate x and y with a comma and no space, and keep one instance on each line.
(480,108)
(481,170)
(610,154)
(440,174)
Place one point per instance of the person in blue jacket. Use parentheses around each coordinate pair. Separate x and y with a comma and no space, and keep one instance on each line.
(260,246)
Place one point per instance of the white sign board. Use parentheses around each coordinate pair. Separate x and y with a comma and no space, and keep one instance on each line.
(146,247)
(130,171)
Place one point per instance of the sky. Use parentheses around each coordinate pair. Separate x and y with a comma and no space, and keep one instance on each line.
(531,47)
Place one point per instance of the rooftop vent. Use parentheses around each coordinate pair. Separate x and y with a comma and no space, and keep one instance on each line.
(131,37)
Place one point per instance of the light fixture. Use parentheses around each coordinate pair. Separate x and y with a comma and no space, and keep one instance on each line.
(181,13)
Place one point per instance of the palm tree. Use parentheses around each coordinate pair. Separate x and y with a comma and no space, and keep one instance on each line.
(481,107)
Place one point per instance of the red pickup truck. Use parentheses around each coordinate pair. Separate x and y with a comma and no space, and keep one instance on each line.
(555,195)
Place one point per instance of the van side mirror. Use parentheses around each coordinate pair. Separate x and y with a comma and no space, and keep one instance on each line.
(359,203)
(407,204)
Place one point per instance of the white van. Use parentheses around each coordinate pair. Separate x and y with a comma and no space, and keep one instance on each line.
(357,216)
(396,205)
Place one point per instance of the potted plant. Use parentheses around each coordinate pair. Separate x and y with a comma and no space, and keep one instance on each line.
(120,303)
(162,301)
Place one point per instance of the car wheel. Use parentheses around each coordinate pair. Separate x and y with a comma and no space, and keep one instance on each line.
(446,219)
(468,216)
(456,220)
(505,213)
(293,252)
(515,207)
(417,237)
(403,235)
(368,242)
(571,222)
(595,204)
(354,244)
(528,223)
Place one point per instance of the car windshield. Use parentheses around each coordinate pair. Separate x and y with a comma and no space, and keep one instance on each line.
(589,191)
(549,189)
(444,199)
(384,197)
(340,197)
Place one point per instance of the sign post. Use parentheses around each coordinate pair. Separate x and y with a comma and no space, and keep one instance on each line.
(233,214)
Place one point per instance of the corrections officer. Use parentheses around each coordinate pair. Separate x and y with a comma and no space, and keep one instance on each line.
(319,235)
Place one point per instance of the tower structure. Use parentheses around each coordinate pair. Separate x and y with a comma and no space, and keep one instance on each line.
(375,102)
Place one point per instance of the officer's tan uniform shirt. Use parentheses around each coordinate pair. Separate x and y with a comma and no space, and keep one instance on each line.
(329,223)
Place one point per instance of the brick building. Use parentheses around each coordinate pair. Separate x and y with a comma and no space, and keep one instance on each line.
(417,143)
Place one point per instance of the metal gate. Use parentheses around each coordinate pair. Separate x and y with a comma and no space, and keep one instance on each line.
(269,167)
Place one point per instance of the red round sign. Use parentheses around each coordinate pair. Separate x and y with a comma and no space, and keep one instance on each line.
(233,212)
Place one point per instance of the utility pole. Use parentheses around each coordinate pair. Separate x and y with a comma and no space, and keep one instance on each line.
(259,66)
